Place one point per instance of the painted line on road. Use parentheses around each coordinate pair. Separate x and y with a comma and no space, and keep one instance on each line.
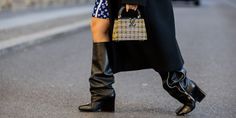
(24,41)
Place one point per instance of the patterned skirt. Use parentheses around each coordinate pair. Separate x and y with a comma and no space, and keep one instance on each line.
(100,9)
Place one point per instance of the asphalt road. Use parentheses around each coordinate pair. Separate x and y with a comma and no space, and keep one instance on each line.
(50,80)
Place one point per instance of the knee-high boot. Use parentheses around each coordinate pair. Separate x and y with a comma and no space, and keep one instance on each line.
(101,80)
(186,91)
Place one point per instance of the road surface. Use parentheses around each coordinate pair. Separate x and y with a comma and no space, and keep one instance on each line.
(50,80)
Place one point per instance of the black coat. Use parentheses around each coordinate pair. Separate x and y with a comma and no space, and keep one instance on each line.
(161,51)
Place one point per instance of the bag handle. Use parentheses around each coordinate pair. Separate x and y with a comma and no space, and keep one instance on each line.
(123,8)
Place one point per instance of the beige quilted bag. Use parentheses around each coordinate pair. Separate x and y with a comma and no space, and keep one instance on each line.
(127,29)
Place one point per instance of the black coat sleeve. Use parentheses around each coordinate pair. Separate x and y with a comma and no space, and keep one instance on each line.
(139,2)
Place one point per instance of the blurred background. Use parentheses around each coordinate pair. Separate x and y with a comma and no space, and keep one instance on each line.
(19,5)
(45,58)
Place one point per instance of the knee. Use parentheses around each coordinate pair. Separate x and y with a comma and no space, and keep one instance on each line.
(100,29)
(93,26)
(97,28)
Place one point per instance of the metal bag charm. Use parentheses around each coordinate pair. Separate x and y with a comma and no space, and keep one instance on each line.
(127,29)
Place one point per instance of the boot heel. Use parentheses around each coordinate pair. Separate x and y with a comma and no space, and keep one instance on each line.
(200,94)
(108,105)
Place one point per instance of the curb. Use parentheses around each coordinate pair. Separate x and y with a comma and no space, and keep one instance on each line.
(39,37)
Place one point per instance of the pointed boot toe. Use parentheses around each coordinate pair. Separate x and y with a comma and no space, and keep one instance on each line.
(86,107)
(102,106)
(90,107)
(185,109)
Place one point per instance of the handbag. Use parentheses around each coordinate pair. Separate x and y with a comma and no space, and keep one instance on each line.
(129,29)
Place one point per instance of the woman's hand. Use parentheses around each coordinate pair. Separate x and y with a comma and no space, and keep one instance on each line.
(131,7)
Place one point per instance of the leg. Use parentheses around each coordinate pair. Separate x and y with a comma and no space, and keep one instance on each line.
(186,91)
(99,28)
(101,79)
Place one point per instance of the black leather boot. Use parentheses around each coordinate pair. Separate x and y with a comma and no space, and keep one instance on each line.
(101,80)
(183,89)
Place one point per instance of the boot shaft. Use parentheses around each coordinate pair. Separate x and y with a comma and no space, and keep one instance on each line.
(100,62)
(102,77)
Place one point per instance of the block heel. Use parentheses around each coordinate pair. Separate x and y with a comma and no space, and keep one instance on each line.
(108,105)
(199,94)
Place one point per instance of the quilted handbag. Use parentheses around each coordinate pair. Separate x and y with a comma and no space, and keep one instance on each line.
(129,29)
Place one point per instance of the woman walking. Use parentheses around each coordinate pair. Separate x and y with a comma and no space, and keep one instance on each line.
(160,52)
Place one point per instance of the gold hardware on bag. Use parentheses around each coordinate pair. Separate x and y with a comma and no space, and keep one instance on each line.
(127,29)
